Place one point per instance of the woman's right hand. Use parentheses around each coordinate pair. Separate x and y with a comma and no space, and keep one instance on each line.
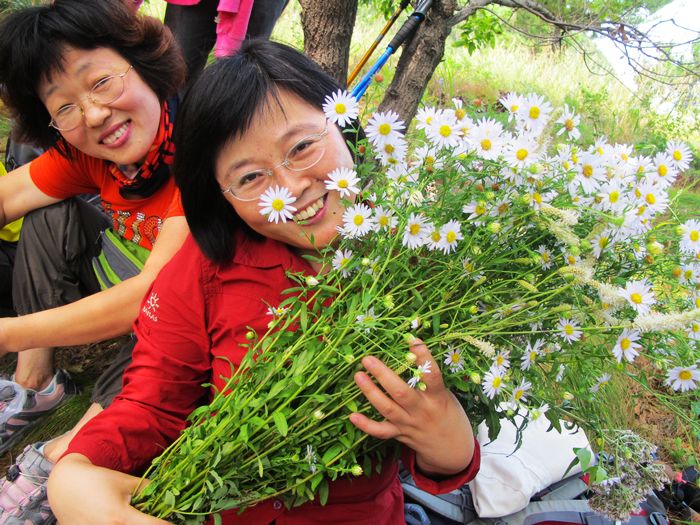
(82,494)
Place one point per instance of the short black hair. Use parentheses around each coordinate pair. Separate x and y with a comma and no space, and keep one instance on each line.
(220,106)
(33,41)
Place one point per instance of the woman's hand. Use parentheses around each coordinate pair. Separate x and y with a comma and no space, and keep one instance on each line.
(429,421)
(83,494)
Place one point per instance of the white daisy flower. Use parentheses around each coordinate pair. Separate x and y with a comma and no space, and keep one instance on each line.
(367,320)
(428,157)
(612,197)
(384,218)
(341,108)
(344,181)
(277,311)
(665,171)
(487,138)
(357,221)
(384,127)
(560,373)
(520,391)
(392,152)
(417,231)
(639,295)
(531,353)
(434,238)
(600,242)
(569,122)
(459,110)
(683,378)
(680,155)
(276,204)
(534,112)
(444,132)
(545,255)
(690,241)
(569,330)
(521,152)
(425,116)
(477,211)
(690,273)
(454,360)
(590,173)
(627,345)
(418,374)
(512,102)
(502,361)
(493,383)
(601,382)
(450,234)
(694,331)
(341,262)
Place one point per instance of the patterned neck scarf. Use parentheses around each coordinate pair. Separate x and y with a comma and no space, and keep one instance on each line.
(155,170)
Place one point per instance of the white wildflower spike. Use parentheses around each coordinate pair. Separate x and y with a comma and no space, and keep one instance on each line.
(657,322)
(486,348)
(276,204)
(341,108)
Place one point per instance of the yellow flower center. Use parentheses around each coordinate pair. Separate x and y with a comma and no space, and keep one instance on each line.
(343,183)
(534,112)
(445,130)
(344,261)
(460,113)
(545,257)
(537,198)
(499,360)
(521,154)
(697,302)
(496,382)
(389,148)
(435,236)
(277,204)
(358,220)
(614,196)
(694,236)
(533,355)
(695,328)
(518,394)
(428,120)
(599,151)
(430,160)
(383,221)
(480,209)
(636,298)
(569,124)
(688,274)
(574,158)
(455,358)
(566,164)
(414,229)
(685,375)
(451,237)
(650,198)
(571,260)
(677,155)
(340,108)
(514,108)
(486,144)
(641,210)
(625,343)
(662,170)
(624,157)
(603,242)
(384,129)
(587,171)
(568,329)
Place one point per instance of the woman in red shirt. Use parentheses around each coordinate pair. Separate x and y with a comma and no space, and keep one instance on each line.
(249,122)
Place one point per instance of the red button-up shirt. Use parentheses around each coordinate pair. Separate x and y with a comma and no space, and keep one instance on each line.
(195,312)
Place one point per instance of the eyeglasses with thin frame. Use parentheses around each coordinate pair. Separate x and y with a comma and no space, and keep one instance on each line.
(304,154)
(105,91)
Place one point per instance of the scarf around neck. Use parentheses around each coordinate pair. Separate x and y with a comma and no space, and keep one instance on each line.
(155,170)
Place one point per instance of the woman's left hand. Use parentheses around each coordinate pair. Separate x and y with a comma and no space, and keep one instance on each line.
(430,421)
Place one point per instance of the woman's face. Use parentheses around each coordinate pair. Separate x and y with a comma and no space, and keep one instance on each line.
(264,145)
(121,131)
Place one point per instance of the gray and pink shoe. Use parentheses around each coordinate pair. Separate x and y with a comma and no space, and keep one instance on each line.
(22,408)
(23,498)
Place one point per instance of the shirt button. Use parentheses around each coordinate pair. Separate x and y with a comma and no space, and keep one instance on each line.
(277,504)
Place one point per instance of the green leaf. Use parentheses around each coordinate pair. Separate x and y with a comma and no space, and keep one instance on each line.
(303,317)
(280,422)
(243,433)
(584,456)
(318,478)
(331,453)
(323,492)
(217,519)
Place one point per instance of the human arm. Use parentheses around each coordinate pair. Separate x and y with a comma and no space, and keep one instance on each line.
(19,195)
(79,491)
(99,316)
(432,423)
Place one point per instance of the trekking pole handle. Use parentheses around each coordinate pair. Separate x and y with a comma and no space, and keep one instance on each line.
(410,25)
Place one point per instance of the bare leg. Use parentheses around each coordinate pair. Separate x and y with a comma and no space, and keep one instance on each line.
(35,368)
(55,448)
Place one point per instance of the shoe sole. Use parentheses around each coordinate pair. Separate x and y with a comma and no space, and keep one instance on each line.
(21,432)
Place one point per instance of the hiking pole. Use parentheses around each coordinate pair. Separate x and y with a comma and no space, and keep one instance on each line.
(382,34)
(406,30)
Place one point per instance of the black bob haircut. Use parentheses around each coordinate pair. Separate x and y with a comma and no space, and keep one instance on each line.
(221,106)
(33,41)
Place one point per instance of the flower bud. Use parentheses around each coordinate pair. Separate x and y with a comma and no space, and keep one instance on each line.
(356,470)
(421,386)
(574,250)
(379,78)
(494,227)
(410,357)
(326,329)
(655,248)
(349,358)
(365,261)
(250,335)
(389,302)
(475,378)
(311,281)
(585,244)
(568,396)
(526,198)
(680,230)
(677,272)
(473,309)
(318,414)
(444,325)
(409,338)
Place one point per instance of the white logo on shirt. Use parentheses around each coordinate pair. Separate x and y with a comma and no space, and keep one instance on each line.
(151,307)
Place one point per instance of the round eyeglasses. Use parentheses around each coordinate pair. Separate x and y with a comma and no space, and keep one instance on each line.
(105,91)
(304,154)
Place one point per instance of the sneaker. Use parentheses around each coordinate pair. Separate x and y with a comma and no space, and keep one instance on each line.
(23,498)
(22,408)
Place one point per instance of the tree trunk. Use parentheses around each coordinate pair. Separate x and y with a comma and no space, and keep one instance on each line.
(328,26)
(418,61)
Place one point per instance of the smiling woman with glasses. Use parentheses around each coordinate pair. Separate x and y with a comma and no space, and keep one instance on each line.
(105,91)
(97,88)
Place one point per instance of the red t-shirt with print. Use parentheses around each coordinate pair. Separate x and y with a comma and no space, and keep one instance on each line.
(137,220)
